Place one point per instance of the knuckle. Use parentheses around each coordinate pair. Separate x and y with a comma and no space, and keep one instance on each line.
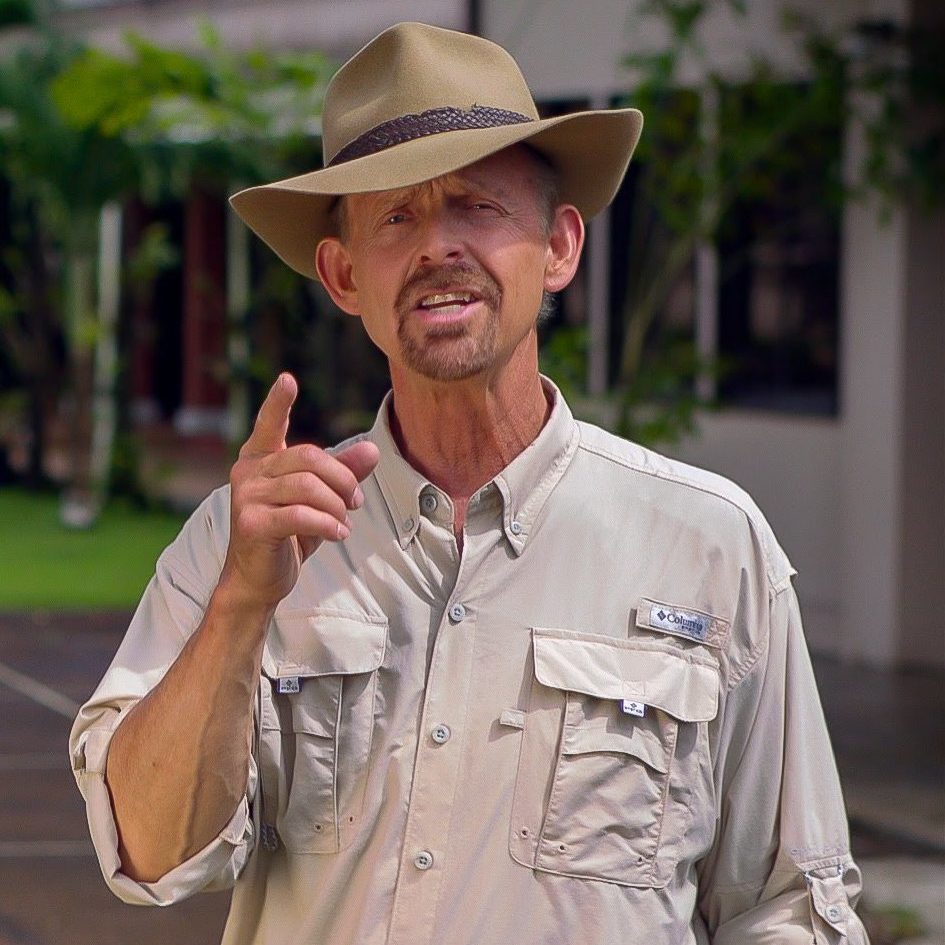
(244,522)
(243,468)
(311,455)
(296,519)
(317,490)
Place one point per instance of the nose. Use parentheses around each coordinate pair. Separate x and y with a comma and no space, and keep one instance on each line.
(440,240)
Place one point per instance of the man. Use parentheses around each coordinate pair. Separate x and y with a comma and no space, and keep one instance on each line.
(484,674)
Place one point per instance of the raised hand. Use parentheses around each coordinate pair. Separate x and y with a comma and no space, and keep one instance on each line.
(285,500)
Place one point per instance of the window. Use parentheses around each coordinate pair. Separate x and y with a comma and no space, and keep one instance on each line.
(761,303)
(778,252)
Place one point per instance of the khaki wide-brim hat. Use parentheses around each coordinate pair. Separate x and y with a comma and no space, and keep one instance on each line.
(417,102)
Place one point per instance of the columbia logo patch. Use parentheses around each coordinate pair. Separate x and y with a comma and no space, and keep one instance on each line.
(686,623)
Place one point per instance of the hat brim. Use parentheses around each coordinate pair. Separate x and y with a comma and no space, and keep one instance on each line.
(590,152)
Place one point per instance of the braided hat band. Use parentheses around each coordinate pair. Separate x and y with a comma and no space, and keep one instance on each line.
(433,121)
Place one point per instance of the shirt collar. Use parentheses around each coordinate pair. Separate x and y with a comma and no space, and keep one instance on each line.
(524,484)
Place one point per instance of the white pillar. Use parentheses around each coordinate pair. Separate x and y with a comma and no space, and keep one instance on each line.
(873,295)
(106,343)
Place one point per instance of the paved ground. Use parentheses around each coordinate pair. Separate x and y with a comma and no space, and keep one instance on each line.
(889,733)
(51,890)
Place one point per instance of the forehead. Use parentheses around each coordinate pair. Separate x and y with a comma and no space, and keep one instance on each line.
(507,173)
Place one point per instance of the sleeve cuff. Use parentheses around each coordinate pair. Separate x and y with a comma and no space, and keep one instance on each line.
(822,913)
(217,865)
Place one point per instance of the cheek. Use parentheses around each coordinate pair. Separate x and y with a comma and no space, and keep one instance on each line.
(524,290)
(381,326)
(378,287)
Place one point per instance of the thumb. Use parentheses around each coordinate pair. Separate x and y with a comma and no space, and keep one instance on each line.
(272,421)
(360,458)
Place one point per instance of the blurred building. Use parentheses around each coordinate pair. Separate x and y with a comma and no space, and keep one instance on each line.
(835,424)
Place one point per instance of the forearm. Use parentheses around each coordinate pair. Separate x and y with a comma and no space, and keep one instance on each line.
(178,763)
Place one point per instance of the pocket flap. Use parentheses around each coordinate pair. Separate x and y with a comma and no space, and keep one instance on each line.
(641,743)
(682,684)
(323,643)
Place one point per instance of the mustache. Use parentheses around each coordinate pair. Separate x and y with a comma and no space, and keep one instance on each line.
(446,278)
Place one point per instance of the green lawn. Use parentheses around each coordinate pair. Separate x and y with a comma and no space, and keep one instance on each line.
(45,566)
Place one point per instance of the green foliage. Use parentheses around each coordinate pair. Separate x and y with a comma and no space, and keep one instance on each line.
(659,403)
(153,254)
(68,172)
(80,127)
(564,359)
(16,13)
(657,406)
(213,115)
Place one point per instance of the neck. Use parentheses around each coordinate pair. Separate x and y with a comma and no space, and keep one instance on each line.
(461,434)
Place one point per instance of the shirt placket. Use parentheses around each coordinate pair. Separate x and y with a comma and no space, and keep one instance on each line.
(439,757)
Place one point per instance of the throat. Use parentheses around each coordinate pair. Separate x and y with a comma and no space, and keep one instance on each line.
(460,446)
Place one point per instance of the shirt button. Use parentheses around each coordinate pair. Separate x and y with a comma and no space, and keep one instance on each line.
(457,613)
(423,860)
(428,503)
(834,913)
(516,528)
(408,525)
(441,734)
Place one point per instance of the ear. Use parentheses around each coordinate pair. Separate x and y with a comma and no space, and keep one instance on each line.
(565,242)
(333,264)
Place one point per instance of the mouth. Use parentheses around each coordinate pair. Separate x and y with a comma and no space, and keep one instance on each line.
(447,306)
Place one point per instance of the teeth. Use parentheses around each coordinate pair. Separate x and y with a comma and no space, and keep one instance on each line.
(430,300)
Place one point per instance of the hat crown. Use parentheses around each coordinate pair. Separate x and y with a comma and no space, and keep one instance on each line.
(412,68)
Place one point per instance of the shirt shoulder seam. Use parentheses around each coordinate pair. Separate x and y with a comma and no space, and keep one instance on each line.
(775,586)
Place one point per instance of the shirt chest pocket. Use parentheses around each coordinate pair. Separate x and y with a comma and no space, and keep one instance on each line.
(316,727)
(614,757)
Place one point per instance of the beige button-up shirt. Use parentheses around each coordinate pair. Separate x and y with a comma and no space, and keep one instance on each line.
(596,724)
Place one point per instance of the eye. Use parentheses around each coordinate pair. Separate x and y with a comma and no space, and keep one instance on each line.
(482,206)
(394,218)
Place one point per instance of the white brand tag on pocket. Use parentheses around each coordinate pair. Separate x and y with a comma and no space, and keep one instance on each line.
(288,684)
(679,621)
(633,708)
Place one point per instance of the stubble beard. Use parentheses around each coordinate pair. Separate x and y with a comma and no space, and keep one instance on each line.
(449,352)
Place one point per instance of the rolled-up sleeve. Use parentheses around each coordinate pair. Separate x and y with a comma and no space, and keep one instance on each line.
(169,612)
(780,870)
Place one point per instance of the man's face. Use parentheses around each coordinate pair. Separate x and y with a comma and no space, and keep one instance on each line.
(448,275)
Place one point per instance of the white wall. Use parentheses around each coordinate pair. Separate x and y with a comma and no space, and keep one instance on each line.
(337,27)
(567,48)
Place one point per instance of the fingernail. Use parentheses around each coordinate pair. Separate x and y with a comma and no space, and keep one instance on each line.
(343,531)
(357,499)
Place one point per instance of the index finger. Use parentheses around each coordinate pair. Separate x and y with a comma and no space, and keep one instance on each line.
(272,421)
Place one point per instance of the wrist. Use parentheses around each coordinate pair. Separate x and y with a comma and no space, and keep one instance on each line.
(238,606)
